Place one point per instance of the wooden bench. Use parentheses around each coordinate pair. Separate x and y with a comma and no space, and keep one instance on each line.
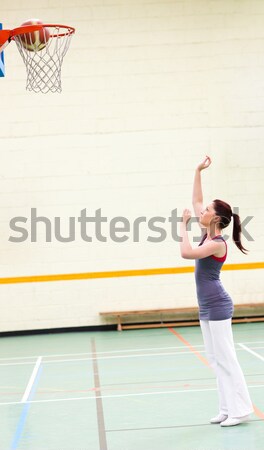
(250,312)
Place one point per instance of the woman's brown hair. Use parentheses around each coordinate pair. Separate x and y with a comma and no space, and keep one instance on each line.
(224,211)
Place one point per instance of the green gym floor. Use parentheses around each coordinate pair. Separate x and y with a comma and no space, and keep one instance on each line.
(130,390)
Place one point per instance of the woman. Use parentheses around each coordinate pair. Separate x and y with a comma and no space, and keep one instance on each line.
(215,304)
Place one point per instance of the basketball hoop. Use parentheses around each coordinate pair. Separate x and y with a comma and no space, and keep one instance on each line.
(43,63)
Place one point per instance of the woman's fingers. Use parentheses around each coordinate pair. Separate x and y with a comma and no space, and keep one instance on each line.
(186,215)
(207,161)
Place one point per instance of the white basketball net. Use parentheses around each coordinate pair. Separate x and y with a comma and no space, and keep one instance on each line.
(44,66)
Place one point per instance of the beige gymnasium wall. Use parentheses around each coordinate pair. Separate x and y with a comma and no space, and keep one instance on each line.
(149,88)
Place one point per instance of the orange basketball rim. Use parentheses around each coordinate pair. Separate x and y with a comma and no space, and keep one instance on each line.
(43,61)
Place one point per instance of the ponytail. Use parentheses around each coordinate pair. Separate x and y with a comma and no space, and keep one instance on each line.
(237,233)
(224,211)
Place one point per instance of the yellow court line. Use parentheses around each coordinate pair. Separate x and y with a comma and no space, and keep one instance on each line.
(244,266)
(120,273)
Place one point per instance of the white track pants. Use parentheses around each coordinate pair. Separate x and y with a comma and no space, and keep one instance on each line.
(233,394)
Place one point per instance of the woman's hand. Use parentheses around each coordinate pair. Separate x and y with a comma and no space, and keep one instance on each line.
(186,216)
(205,164)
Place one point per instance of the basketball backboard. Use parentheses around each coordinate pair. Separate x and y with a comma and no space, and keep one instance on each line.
(2,62)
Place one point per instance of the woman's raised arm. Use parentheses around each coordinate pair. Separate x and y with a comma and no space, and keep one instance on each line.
(197,198)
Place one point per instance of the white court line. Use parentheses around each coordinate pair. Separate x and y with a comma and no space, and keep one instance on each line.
(31,381)
(98,353)
(184,391)
(111,352)
(18,364)
(251,351)
(19,357)
(110,357)
(143,355)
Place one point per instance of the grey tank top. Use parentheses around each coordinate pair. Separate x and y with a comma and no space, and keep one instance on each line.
(214,302)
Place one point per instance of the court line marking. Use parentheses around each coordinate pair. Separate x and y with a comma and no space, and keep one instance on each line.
(258,412)
(106,357)
(142,355)
(169,427)
(26,406)
(133,387)
(111,352)
(18,364)
(98,353)
(191,348)
(121,273)
(251,351)
(99,402)
(184,391)
(31,381)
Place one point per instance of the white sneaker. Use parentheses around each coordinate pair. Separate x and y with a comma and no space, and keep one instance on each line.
(232,421)
(218,419)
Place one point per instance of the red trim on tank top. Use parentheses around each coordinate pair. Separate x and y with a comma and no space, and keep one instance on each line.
(222,258)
